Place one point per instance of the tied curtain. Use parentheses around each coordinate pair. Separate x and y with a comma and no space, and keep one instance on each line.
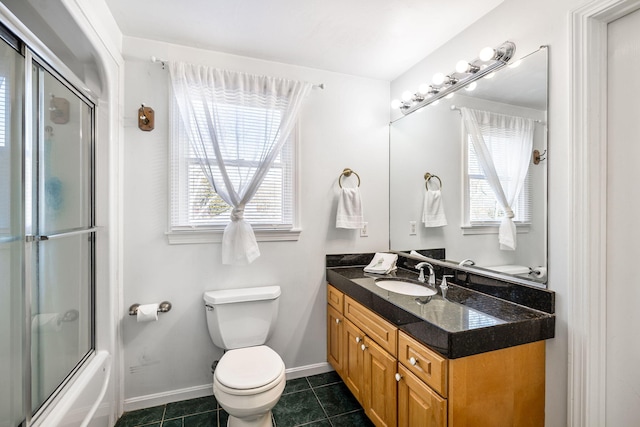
(218,108)
(514,135)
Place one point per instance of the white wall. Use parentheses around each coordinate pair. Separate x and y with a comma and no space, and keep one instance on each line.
(344,125)
(530,24)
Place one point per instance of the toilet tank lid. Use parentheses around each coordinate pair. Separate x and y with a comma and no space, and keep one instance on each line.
(227,296)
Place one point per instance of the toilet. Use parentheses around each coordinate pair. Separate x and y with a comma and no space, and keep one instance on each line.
(250,377)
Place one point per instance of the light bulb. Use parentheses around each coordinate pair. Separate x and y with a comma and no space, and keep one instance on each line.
(486,54)
(438,79)
(406,96)
(395,104)
(462,66)
(423,88)
(471,86)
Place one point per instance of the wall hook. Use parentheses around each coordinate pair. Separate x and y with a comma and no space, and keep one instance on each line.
(539,157)
(145,118)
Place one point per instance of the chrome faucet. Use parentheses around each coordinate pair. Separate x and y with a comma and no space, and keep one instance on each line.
(432,274)
(444,285)
(467,262)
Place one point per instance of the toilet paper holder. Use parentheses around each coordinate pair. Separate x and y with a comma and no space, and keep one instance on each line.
(163,307)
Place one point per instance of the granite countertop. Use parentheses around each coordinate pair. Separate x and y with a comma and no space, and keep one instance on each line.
(464,323)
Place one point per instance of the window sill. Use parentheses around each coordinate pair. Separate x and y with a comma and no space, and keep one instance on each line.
(186,237)
(491,229)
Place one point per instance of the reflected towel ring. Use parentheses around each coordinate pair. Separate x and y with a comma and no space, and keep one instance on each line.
(428,176)
(347,172)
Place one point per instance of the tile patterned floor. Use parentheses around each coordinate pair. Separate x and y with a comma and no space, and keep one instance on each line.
(317,401)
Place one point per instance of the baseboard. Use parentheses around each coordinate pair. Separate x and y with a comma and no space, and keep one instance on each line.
(308,370)
(150,400)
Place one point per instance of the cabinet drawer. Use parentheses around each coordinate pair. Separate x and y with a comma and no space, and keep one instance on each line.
(426,364)
(374,326)
(334,298)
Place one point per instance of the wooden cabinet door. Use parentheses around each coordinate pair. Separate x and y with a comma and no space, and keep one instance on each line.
(335,339)
(418,405)
(380,388)
(353,373)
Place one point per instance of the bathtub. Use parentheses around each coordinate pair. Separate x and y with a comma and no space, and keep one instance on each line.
(80,405)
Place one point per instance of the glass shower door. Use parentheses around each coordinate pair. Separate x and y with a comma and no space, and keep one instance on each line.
(12,322)
(61,222)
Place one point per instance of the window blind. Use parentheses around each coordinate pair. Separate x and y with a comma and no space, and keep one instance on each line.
(194,202)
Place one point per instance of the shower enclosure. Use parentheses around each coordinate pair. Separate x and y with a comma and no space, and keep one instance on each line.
(47,232)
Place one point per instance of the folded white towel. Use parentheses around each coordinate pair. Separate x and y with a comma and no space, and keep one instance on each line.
(382,263)
(349,209)
(433,209)
(418,254)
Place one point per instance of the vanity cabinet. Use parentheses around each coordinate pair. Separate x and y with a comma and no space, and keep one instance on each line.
(401,382)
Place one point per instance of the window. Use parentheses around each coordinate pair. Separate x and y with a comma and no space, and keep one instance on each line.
(481,206)
(195,205)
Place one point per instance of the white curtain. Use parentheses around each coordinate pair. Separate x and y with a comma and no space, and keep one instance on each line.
(515,136)
(215,106)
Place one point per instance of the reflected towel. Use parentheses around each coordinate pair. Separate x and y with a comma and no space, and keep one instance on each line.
(433,209)
(349,209)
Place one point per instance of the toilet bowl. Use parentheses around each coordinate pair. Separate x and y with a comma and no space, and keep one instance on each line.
(247,383)
(250,377)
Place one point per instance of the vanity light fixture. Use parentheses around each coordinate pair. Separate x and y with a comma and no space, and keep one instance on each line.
(465,74)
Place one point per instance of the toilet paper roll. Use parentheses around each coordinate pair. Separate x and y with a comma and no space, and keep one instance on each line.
(147,313)
(539,272)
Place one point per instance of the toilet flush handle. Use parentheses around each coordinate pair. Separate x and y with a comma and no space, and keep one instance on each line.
(209,307)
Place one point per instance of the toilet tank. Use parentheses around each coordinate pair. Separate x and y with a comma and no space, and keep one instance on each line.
(239,318)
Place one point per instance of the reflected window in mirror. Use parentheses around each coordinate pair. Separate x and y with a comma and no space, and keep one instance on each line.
(481,206)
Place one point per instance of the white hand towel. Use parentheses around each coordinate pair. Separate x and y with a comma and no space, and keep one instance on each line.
(433,209)
(349,209)
(382,263)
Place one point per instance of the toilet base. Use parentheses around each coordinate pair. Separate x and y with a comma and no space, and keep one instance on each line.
(263,420)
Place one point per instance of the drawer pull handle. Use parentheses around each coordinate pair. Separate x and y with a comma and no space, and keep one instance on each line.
(413,361)
(398,377)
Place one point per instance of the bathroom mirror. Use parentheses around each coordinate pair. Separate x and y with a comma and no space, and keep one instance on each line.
(433,140)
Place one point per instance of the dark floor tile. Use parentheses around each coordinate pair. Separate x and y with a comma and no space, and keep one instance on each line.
(223,418)
(353,419)
(324,379)
(336,399)
(207,419)
(298,384)
(321,423)
(141,417)
(176,422)
(190,407)
(295,409)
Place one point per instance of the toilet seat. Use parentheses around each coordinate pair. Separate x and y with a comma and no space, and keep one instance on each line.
(249,370)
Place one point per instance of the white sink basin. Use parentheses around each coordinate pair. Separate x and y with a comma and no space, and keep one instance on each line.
(405,287)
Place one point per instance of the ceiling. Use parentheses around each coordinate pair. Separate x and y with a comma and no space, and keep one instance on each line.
(371,38)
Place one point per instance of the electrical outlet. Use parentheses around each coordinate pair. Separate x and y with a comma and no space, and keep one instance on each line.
(364,231)
(412,228)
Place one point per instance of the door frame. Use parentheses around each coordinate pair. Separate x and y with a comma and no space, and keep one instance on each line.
(588,192)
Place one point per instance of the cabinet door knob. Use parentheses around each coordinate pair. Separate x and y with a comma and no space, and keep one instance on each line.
(363,347)
(358,339)
(413,361)
(338,321)
(398,377)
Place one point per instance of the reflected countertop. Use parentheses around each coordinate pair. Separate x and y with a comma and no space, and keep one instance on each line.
(464,323)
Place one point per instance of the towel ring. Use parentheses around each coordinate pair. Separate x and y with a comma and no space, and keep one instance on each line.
(428,176)
(347,172)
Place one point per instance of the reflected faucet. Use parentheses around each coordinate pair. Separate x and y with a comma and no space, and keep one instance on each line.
(467,261)
(432,274)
